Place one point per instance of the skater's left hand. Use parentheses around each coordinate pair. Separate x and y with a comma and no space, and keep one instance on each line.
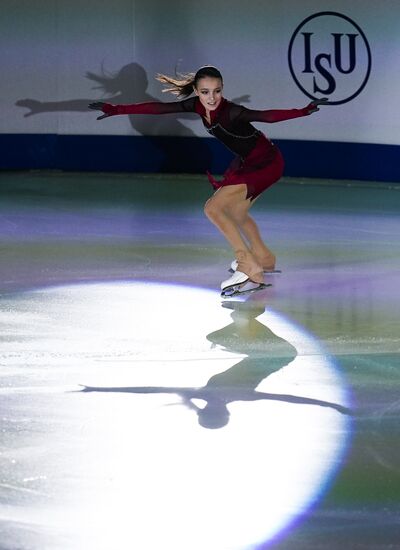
(314,105)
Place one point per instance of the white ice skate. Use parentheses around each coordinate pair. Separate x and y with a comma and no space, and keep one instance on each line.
(240,283)
(234,265)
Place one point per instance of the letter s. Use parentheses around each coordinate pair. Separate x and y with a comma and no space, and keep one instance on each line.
(325,73)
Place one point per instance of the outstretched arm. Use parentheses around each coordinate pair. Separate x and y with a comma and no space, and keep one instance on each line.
(299,400)
(278,115)
(37,107)
(149,108)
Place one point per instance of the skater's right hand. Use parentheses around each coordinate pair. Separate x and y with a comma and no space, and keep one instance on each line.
(107,109)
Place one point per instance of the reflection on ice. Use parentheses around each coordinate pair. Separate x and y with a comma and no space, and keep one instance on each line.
(239,383)
(125,464)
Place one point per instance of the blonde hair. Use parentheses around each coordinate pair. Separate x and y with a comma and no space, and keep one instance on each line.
(182,84)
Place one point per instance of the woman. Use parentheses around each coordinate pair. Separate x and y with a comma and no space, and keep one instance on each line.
(257,166)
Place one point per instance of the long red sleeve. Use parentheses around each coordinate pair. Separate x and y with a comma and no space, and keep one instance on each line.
(274,115)
(150,108)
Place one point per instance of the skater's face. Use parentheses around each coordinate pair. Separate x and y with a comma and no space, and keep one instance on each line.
(209,90)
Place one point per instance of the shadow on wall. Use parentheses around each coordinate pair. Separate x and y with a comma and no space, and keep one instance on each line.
(129,85)
(245,335)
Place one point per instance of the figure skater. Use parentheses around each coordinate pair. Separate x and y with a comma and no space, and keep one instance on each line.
(257,166)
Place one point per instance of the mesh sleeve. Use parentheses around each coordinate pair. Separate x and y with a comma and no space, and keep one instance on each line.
(151,108)
(273,115)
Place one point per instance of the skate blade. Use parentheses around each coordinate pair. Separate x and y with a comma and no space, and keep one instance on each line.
(266,272)
(246,288)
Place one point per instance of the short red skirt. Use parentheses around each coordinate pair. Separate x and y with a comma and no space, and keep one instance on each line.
(259,170)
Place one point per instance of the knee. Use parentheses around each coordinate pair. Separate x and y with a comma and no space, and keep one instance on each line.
(211,210)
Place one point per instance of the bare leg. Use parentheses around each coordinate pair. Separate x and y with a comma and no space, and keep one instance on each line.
(246,224)
(218,210)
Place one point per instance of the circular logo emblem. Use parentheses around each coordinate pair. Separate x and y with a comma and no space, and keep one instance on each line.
(329,56)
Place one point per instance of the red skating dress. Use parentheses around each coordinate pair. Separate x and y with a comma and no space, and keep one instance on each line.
(258,162)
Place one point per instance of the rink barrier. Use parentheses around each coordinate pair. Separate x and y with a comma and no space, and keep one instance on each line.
(313,159)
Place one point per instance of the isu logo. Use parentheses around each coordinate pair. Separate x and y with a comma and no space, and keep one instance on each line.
(329,56)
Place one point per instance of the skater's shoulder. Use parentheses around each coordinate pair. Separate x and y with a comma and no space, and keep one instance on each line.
(189,105)
(234,109)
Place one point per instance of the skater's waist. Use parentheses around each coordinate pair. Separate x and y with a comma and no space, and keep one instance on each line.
(264,150)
